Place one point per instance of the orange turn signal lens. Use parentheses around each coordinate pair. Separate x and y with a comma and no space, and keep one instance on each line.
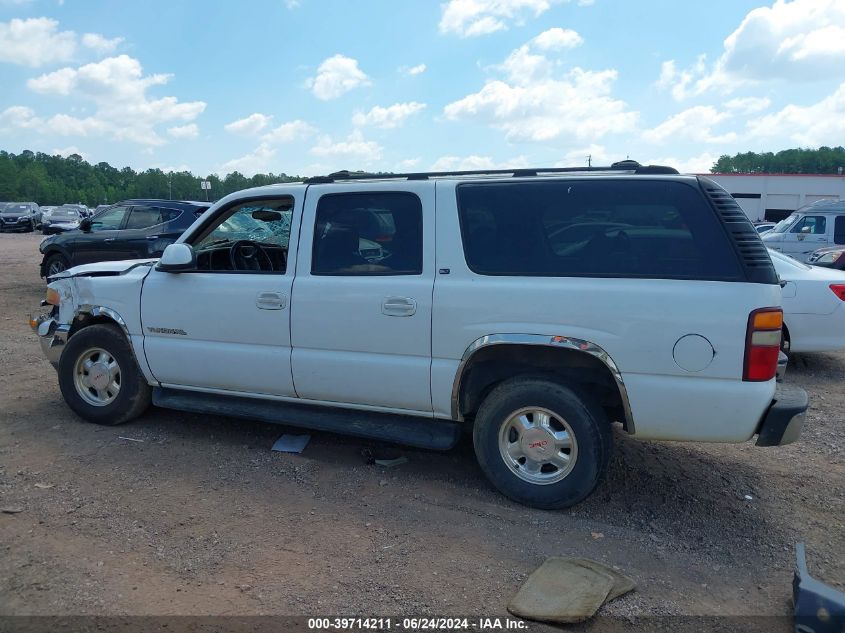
(53,297)
(768,320)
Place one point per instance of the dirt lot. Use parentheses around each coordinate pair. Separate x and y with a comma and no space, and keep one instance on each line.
(189,514)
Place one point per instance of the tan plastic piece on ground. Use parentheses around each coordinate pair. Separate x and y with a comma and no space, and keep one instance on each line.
(567,590)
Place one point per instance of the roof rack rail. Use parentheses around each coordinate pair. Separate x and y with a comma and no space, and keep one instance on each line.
(519,172)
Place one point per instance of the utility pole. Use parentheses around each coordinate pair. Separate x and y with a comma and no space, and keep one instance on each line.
(589,160)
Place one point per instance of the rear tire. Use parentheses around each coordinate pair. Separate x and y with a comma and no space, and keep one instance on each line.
(99,378)
(540,443)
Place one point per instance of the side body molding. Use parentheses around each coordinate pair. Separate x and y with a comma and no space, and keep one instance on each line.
(565,342)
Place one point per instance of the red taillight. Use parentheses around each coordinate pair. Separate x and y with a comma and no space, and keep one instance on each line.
(838,290)
(762,344)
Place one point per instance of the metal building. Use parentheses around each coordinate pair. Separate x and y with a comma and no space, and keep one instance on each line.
(774,196)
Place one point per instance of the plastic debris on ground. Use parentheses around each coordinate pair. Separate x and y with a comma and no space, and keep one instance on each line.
(568,590)
(291,443)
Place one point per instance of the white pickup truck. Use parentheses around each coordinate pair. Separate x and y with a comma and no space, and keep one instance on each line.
(532,308)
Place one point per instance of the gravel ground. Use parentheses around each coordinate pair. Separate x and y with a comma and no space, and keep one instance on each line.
(190,515)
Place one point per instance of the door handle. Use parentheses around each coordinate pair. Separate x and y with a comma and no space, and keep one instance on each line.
(399,306)
(152,237)
(271,301)
(109,239)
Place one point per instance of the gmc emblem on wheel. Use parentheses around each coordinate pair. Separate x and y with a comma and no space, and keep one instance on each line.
(166,330)
(539,444)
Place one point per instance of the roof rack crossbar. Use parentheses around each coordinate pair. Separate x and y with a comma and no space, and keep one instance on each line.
(519,172)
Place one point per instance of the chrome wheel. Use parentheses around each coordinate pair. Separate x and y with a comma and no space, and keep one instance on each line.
(538,446)
(96,377)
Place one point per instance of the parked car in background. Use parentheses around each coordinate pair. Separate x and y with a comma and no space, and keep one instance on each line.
(829,257)
(808,229)
(459,315)
(134,229)
(813,306)
(762,227)
(45,214)
(61,219)
(20,216)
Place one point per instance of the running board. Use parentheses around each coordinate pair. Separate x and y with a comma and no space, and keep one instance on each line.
(410,430)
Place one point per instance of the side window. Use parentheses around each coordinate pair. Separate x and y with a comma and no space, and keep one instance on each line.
(368,234)
(250,237)
(816,223)
(839,230)
(109,219)
(145,217)
(612,228)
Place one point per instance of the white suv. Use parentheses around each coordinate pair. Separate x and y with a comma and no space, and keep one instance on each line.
(532,308)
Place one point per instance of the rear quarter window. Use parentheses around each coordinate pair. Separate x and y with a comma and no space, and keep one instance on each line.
(610,228)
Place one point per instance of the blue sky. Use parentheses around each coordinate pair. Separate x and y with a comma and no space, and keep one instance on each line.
(310,86)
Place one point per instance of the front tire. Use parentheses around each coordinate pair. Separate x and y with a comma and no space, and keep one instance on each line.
(99,378)
(55,264)
(540,443)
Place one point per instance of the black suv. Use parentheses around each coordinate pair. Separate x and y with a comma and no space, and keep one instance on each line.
(133,229)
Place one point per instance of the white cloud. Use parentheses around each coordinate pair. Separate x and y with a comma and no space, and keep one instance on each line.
(822,123)
(68,151)
(471,18)
(297,130)
(389,117)
(249,126)
(35,42)
(557,39)
(594,154)
(118,88)
(18,117)
(189,131)
(336,76)
(801,40)
(407,165)
(354,147)
(257,161)
(536,104)
(700,164)
(99,43)
(694,124)
(474,162)
(413,70)
(748,105)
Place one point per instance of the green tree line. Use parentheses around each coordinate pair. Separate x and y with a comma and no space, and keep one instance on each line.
(54,180)
(824,160)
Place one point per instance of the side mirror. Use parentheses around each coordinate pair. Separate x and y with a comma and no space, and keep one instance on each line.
(177,258)
(806,229)
(85,225)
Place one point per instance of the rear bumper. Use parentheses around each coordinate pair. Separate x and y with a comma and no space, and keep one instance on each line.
(784,418)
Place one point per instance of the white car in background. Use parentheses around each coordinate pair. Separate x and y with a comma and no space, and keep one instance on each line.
(813,305)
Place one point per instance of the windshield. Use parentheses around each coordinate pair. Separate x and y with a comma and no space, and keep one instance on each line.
(784,225)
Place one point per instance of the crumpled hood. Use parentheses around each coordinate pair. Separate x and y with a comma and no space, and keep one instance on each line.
(104,269)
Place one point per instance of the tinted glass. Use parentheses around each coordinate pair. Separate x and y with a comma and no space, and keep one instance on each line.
(368,234)
(109,219)
(631,228)
(145,217)
(839,230)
